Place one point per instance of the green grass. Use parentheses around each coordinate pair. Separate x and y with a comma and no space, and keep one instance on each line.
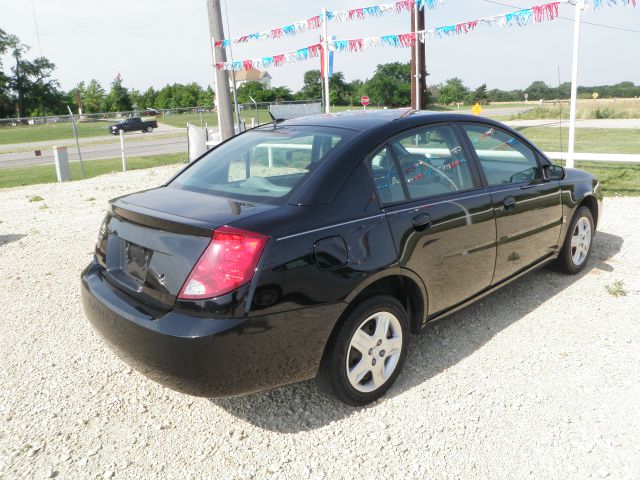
(55,131)
(180,120)
(616,178)
(591,140)
(586,109)
(616,289)
(20,176)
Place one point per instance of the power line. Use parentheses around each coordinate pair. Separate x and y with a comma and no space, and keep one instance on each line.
(611,27)
(35,21)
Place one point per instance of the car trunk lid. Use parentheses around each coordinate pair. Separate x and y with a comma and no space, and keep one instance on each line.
(151,240)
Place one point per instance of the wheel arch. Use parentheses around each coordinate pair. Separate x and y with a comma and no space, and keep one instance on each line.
(591,202)
(402,284)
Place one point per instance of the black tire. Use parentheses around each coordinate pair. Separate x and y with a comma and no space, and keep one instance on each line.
(566,261)
(149,129)
(332,377)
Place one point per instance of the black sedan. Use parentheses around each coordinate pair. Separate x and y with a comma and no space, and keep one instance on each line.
(315,247)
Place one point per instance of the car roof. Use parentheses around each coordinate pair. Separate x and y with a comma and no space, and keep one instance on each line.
(367,119)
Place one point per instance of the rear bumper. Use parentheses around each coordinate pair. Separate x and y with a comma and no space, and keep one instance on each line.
(209,357)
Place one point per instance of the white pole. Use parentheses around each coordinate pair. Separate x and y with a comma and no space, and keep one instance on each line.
(417,49)
(325,60)
(574,84)
(124,157)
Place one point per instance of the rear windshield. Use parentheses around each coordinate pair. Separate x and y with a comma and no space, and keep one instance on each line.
(263,165)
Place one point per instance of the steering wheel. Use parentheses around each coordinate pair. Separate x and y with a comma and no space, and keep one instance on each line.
(415,171)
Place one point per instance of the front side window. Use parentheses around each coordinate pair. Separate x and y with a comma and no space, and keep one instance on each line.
(263,165)
(504,158)
(428,161)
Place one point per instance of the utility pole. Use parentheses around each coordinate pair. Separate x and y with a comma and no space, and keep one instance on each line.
(418,63)
(223,98)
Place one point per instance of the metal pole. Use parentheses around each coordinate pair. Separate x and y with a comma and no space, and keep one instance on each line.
(325,51)
(75,134)
(574,84)
(223,97)
(257,113)
(417,54)
(124,157)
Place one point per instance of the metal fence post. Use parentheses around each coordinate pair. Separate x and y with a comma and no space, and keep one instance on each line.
(124,156)
(75,134)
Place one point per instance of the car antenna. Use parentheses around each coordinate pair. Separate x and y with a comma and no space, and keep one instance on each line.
(275,120)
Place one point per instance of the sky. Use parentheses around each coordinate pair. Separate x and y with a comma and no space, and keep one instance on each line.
(155,42)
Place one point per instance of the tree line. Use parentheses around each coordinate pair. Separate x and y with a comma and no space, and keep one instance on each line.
(28,88)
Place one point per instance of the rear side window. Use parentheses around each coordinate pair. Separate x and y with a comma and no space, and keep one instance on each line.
(504,158)
(262,165)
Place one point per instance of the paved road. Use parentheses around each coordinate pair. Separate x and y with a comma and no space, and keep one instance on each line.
(108,148)
(626,123)
(48,144)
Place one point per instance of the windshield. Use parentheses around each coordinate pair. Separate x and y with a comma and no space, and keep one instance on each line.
(262,165)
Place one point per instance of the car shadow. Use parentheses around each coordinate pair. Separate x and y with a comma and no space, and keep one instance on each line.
(302,407)
(11,237)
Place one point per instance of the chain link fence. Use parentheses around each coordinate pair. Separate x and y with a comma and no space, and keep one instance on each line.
(258,110)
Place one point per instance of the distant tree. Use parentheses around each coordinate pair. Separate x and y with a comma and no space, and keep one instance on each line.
(206,97)
(255,90)
(480,95)
(453,91)
(5,95)
(390,85)
(282,94)
(539,90)
(72,95)
(357,88)
(93,98)
(118,98)
(339,89)
(312,87)
(136,99)
(36,92)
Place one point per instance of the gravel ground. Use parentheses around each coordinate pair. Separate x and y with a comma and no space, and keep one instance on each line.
(540,380)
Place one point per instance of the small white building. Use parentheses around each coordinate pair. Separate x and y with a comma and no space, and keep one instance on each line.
(253,75)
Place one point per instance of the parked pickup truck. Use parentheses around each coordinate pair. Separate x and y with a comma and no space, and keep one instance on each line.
(133,124)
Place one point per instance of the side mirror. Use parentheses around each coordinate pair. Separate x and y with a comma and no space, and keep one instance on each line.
(553,172)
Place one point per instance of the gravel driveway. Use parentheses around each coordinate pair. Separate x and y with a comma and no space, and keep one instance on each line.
(540,380)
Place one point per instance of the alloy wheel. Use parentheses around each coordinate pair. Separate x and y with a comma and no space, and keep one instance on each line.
(374,352)
(581,241)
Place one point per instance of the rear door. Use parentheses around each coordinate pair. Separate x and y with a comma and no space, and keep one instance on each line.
(441,219)
(528,209)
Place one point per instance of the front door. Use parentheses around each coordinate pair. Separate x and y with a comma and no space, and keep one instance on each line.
(441,219)
(528,209)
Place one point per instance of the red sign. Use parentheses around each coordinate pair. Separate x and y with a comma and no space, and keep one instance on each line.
(364,100)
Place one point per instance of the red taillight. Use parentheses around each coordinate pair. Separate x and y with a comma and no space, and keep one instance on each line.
(228,262)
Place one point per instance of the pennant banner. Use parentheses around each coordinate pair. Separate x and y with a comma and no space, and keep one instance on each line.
(521,18)
(312,51)
(379,10)
(612,3)
(535,14)
(315,23)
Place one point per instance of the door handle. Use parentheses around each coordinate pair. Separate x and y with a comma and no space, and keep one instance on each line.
(509,203)
(421,220)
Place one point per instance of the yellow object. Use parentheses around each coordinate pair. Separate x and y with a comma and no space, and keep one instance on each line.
(477,109)
(595,95)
